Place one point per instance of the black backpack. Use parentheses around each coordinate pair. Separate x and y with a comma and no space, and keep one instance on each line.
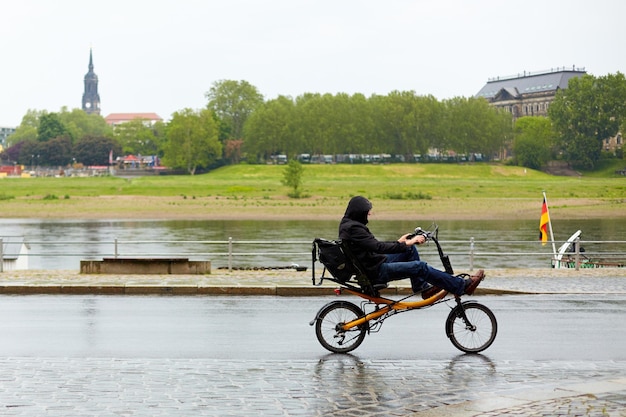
(331,254)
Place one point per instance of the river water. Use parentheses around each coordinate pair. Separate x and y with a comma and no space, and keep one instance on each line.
(61,244)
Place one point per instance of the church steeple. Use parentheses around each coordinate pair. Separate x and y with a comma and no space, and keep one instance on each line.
(91,98)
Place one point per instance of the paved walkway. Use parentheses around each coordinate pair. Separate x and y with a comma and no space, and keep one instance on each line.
(288,282)
(152,387)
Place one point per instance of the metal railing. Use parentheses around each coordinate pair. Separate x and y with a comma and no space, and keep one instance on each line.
(465,254)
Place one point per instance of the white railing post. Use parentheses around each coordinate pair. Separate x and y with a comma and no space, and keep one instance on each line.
(230,254)
(1,255)
(471,254)
(115,248)
(577,252)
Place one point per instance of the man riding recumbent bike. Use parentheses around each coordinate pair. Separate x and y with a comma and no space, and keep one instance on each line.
(341,326)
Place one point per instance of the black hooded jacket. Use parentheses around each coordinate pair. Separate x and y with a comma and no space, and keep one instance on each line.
(365,247)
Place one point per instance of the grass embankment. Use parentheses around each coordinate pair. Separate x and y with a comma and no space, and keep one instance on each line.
(408,191)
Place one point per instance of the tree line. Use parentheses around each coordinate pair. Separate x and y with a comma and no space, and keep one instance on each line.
(400,123)
(237,124)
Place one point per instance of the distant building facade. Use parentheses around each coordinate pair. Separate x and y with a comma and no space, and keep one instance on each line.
(5,132)
(528,94)
(91,98)
(613,143)
(149,119)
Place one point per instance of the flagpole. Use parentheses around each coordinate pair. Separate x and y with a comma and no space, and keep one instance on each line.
(550,224)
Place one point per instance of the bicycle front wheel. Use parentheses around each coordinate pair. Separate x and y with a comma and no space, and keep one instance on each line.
(328,327)
(471,327)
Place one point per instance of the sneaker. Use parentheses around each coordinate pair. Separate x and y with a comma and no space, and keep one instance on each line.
(429,292)
(472,282)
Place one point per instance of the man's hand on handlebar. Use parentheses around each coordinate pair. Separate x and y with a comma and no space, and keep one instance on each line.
(412,239)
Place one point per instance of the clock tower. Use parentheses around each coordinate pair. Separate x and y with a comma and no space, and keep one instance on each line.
(91,98)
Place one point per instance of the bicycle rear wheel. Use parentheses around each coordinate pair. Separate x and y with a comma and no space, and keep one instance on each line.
(329,321)
(471,327)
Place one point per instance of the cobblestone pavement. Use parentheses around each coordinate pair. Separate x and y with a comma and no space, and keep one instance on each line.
(333,385)
(336,385)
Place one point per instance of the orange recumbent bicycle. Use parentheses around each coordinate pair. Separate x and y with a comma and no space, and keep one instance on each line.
(341,326)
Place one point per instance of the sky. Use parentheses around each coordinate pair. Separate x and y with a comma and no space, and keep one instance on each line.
(162,56)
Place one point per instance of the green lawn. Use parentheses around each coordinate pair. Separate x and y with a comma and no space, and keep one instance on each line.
(255,191)
(381,181)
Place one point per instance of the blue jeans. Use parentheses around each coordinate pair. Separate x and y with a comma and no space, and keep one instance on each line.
(408,265)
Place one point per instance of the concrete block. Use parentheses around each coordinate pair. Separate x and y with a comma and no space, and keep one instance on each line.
(146,266)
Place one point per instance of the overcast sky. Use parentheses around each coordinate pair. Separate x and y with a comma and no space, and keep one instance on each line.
(163,55)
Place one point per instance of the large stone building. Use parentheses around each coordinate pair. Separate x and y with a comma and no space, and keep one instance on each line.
(91,98)
(528,94)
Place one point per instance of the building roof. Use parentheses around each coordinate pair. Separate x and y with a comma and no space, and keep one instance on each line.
(530,83)
(116,118)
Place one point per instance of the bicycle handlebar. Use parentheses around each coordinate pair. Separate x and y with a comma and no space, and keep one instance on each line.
(433,235)
(428,234)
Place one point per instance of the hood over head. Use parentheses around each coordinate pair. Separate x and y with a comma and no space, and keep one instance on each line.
(358,209)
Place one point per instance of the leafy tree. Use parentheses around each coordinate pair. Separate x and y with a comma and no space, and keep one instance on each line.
(26,152)
(533,141)
(54,152)
(406,123)
(192,140)
(389,123)
(224,129)
(12,153)
(137,138)
(311,123)
(327,124)
(80,124)
(475,127)
(587,112)
(94,150)
(293,177)
(47,138)
(233,102)
(50,127)
(57,151)
(269,130)
(426,127)
(27,130)
(159,130)
(233,149)
(500,133)
(351,118)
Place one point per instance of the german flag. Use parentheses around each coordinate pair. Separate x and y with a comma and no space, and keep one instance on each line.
(543,223)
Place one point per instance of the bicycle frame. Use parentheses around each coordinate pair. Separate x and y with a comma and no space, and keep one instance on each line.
(389,305)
